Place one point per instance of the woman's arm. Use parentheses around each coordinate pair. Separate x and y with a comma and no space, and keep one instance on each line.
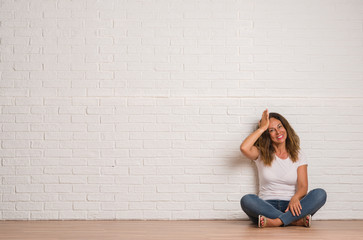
(247,147)
(302,189)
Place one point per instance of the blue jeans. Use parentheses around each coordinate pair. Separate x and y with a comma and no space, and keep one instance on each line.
(253,206)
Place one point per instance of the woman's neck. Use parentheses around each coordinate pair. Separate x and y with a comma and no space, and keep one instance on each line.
(280,149)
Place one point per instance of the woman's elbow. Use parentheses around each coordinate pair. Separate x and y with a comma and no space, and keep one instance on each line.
(244,150)
(304,189)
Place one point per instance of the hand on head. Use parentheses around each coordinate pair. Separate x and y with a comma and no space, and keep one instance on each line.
(264,122)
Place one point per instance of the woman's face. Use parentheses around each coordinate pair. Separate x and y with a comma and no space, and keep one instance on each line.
(277,131)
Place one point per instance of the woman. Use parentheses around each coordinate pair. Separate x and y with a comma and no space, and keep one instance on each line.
(283,199)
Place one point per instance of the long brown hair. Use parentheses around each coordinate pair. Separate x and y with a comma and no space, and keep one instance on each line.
(264,142)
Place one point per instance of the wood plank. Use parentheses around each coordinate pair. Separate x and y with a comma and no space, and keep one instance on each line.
(135,230)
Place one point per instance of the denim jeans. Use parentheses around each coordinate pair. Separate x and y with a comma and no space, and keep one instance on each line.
(253,206)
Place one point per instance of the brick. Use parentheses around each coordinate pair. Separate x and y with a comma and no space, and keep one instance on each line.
(19,144)
(85,188)
(100,180)
(170,206)
(44,179)
(72,215)
(44,197)
(19,215)
(199,206)
(27,206)
(114,206)
(29,188)
(142,206)
(86,206)
(58,206)
(101,197)
(198,188)
(168,188)
(157,197)
(16,197)
(72,179)
(44,215)
(113,189)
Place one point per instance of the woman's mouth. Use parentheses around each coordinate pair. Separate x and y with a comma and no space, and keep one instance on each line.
(280,136)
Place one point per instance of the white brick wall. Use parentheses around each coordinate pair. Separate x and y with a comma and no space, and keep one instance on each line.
(136,109)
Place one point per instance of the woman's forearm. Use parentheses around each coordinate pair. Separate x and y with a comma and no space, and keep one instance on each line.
(301,192)
(302,182)
(248,143)
(247,147)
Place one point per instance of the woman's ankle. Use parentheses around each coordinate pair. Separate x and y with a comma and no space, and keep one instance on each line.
(299,222)
(274,222)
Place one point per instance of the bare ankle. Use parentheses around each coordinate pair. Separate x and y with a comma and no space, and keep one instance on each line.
(299,222)
(278,222)
(274,222)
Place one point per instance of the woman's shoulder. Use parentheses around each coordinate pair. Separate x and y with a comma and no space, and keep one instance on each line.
(302,158)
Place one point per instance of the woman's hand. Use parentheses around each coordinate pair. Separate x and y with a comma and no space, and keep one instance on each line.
(264,122)
(294,206)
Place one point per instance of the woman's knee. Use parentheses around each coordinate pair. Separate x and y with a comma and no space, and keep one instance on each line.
(320,194)
(246,200)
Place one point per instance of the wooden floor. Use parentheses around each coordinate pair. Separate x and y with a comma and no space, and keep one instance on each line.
(160,230)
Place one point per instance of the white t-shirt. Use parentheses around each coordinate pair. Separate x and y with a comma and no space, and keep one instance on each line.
(278,181)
